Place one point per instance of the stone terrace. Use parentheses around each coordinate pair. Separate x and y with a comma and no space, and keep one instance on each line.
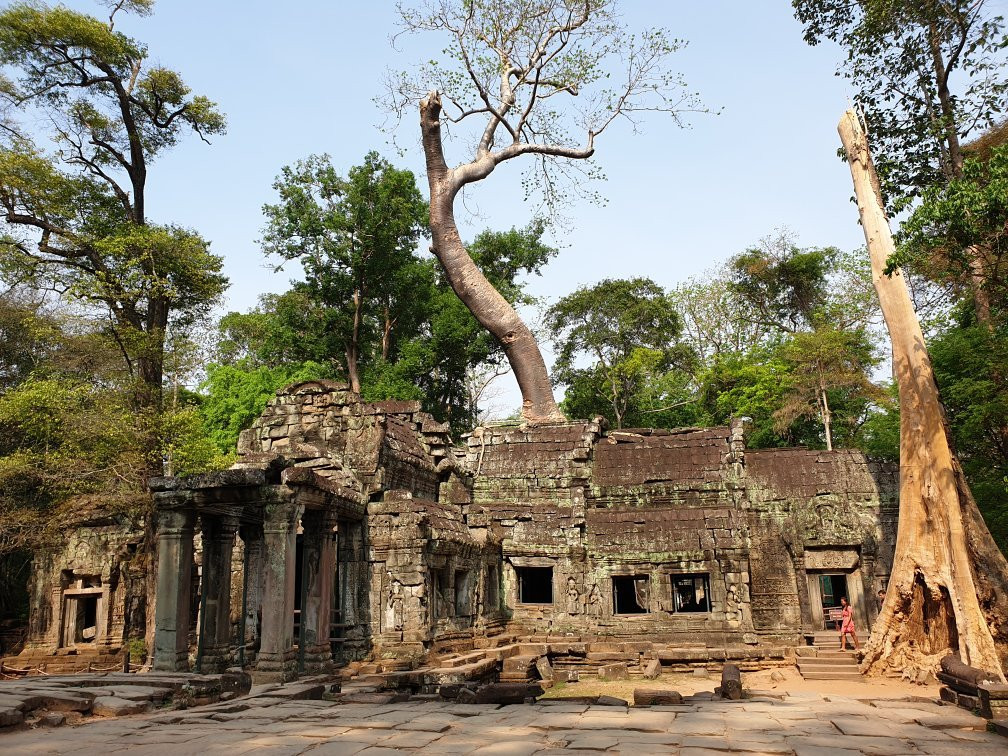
(800,724)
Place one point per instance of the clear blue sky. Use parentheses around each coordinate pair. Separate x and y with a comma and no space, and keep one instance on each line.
(296,78)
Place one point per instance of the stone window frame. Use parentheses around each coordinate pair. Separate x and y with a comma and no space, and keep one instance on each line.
(649,609)
(708,593)
(552,584)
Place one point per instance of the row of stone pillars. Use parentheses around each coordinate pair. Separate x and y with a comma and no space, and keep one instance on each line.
(269,600)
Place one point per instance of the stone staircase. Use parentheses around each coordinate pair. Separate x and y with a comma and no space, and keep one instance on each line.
(825,661)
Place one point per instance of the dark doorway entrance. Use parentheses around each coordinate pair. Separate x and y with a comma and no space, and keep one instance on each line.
(832,587)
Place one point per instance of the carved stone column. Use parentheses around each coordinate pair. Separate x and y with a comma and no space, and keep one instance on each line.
(218,545)
(171,619)
(802,584)
(277,660)
(255,556)
(318,569)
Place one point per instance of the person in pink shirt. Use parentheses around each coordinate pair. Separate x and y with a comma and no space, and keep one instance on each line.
(847,625)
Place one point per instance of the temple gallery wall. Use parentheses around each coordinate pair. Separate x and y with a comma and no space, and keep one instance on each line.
(350,530)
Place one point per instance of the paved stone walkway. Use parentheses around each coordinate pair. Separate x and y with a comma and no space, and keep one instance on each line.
(805,725)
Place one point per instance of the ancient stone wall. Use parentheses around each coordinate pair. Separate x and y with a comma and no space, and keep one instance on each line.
(98,564)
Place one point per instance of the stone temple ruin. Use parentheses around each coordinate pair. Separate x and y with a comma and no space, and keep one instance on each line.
(351,530)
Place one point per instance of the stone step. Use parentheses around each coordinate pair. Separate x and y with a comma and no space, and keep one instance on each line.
(821,664)
(855,675)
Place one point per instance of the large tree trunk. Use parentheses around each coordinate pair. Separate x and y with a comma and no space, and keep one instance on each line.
(488,306)
(947,591)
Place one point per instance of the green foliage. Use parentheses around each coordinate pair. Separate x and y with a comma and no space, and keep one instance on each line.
(355,238)
(971,363)
(628,332)
(235,397)
(786,285)
(73,194)
(752,385)
(962,225)
(818,302)
(928,74)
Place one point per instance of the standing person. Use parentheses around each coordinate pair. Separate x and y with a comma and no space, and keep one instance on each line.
(847,625)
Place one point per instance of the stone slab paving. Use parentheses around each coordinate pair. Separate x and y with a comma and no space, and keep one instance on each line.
(799,725)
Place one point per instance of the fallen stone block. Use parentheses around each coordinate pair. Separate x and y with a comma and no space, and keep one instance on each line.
(10,716)
(952,666)
(701,672)
(112,706)
(544,668)
(52,719)
(777,676)
(506,693)
(54,701)
(466,696)
(731,682)
(611,701)
(656,697)
(613,672)
(23,702)
(450,691)
(653,670)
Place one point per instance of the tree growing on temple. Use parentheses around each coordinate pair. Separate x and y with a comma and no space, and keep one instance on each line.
(539,80)
(73,193)
(615,340)
(355,237)
(948,590)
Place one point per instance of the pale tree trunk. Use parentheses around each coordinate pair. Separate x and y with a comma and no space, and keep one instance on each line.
(386,341)
(947,590)
(827,419)
(488,306)
(353,348)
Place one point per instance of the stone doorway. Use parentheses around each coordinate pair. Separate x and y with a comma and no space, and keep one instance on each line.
(832,587)
(82,614)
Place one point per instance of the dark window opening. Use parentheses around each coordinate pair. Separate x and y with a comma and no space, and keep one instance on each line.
(691,593)
(630,594)
(535,585)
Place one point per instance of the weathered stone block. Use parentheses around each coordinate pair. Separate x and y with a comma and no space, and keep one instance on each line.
(656,697)
(617,671)
(544,668)
(507,693)
(112,706)
(611,701)
(653,670)
(10,716)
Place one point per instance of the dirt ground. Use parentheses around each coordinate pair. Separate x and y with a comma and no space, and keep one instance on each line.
(688,684)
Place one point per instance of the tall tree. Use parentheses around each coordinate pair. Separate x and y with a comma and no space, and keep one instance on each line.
(822,322)
(77,216)
(929,74)
(511,67)
(355,238)
(626,330)
(948,590)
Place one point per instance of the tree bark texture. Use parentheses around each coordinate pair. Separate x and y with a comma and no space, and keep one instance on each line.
(491,309)
(947,590)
